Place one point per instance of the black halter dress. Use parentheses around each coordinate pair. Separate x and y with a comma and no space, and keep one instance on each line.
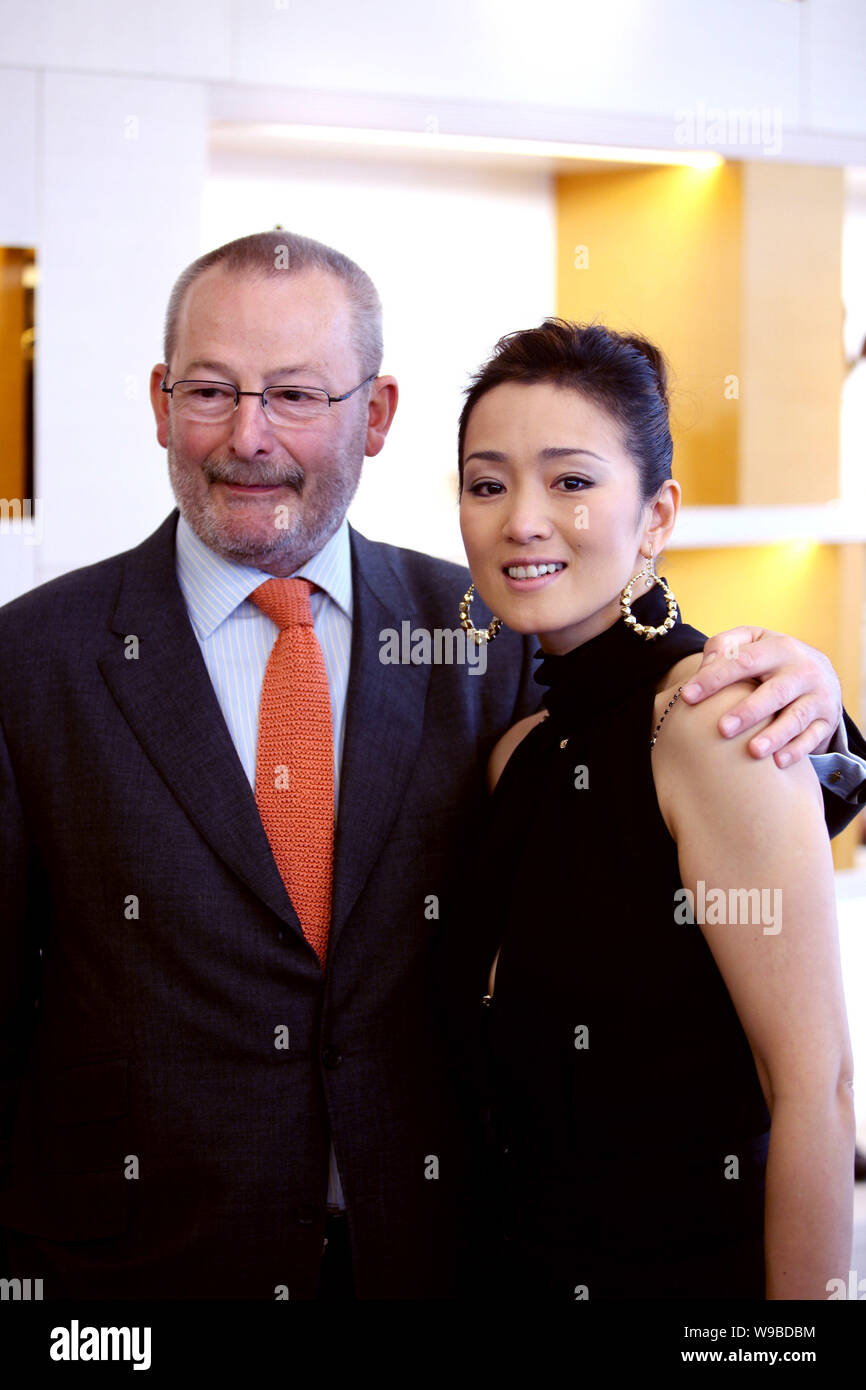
(626,1129)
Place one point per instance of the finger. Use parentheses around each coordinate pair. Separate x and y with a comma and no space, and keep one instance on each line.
(730,641)
(777,694)
(771,656)
(802,746)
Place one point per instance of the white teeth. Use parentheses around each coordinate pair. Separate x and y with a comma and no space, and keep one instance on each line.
(533,571)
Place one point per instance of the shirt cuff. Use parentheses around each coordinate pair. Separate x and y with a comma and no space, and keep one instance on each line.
(840,770)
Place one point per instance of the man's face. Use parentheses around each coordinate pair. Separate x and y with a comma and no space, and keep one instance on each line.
(258,493)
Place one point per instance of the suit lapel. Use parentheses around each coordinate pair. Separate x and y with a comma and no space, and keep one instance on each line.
(167,699)
(384,719)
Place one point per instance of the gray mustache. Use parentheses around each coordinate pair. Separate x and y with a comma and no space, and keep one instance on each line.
(226,473)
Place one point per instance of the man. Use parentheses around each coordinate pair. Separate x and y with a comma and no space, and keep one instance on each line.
(234,1055)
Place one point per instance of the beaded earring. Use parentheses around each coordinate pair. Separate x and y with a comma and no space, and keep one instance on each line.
(479,634)
(641,629)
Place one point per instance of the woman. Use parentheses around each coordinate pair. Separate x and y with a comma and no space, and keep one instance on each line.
(652,910)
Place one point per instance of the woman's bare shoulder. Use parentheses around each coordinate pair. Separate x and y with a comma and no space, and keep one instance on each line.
(507,744)
(678,675)
(697,723)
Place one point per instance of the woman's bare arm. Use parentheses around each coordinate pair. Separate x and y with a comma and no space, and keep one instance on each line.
(743,824)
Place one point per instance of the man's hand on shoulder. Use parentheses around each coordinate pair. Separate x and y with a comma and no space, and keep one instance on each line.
(701,777)
(798,700)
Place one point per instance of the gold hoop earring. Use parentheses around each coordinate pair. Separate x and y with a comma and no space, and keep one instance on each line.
(641,629)
(479,634)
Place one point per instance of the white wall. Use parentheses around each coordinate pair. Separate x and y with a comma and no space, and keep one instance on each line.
(642,56)
(117,224)
(851,908)
(852,436)
(19,154)
(104,176)
(164,38)
(834,70)
(459,257)
(658,55)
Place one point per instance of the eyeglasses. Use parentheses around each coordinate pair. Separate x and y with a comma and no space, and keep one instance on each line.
(212,402)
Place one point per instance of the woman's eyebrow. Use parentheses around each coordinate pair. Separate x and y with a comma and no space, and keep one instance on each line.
(487,456)
(563,451)
(554,452)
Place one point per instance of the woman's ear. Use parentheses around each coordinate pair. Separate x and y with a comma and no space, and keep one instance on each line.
(662,516)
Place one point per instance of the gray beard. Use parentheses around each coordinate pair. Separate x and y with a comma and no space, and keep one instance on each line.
(292,544)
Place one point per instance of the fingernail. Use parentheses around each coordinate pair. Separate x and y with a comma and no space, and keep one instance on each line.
(783,759)
(731,723)
(692,690)
(761,745)
(710,656)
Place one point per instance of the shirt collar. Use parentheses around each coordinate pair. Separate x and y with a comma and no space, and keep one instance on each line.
(213,587)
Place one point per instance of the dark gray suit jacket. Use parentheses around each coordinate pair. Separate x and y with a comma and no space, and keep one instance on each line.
(156,1142)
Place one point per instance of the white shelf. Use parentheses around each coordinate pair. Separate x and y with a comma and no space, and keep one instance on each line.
(830,523)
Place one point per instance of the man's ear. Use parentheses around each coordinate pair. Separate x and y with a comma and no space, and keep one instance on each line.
(382,405)
(159,400)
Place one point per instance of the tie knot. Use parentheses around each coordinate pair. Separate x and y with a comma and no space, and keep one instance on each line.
(285,601)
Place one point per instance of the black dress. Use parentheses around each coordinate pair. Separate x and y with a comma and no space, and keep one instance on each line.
(626,1130)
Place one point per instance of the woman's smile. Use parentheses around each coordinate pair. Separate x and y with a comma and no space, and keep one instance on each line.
(528,574)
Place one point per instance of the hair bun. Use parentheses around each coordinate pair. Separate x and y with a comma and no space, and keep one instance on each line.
(656,359)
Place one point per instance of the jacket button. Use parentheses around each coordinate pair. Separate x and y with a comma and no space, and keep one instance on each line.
(331,1057)
(306,1215)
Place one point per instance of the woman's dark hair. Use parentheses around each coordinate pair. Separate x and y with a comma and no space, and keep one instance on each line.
(625,375)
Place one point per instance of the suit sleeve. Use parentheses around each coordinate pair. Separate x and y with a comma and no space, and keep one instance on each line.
(842,774)
(19,959)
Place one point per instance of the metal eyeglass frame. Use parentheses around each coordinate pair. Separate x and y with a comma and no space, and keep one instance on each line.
(262,395)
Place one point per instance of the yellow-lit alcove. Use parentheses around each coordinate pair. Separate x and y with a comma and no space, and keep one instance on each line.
(17,279)
(735,271)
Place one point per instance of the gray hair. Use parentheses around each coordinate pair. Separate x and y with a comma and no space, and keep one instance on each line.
(279,253)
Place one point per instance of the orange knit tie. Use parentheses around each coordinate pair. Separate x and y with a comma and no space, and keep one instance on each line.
(295,757)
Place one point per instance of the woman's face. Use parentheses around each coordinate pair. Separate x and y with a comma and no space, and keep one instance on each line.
(547,481)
